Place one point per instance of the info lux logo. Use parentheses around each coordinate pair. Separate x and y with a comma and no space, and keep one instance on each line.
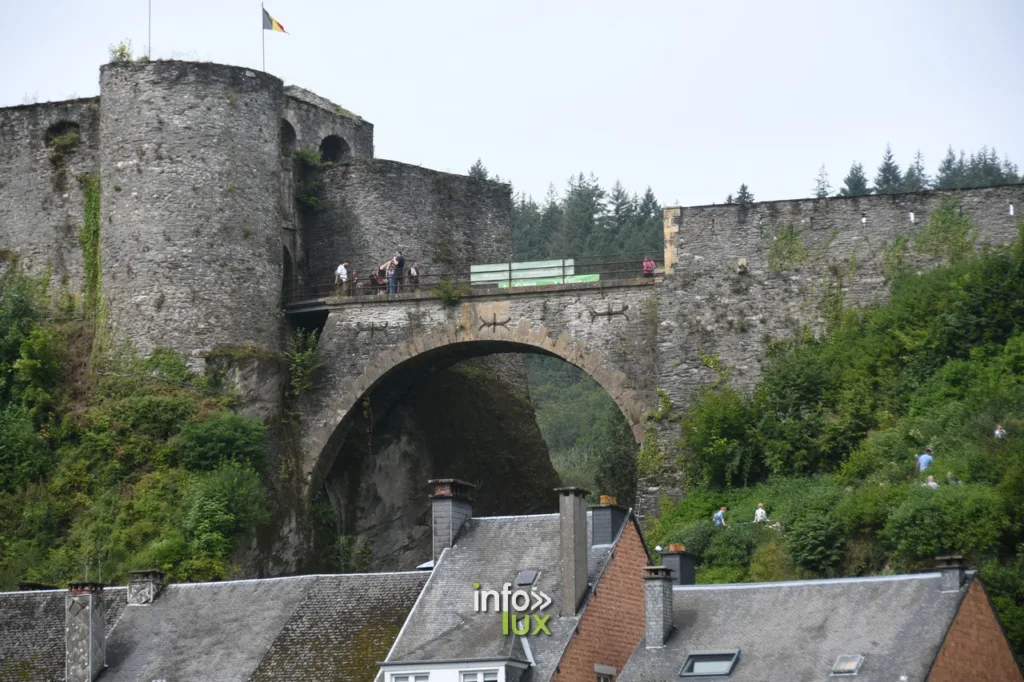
(515,608)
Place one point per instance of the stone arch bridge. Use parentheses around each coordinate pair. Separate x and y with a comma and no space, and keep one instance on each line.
(384,344)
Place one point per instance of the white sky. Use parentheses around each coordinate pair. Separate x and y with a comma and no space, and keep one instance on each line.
(689,97)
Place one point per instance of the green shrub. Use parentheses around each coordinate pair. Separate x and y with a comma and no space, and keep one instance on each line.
(718,448)
(815,543)
(223,437)
(769,563)
(304,362)
(964,519)
(24,456)
(720,574)
(697,537)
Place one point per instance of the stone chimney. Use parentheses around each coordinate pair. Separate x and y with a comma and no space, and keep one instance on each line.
(85,639)
(144,586)
(450,508)
(682,564)
(606,520)
(952,569)
(572,521)
(657,606)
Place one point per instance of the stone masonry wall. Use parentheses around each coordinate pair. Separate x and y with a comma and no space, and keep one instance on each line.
(706,306)
(40,199)
(975,647)
(372,207)
(190,237)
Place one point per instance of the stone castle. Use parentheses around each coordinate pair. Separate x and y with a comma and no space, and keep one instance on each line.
(199,227)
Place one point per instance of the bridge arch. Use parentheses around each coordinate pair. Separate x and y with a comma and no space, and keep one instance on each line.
(441,348)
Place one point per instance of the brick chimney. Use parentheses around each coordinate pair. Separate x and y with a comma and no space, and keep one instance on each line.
(682,564)
(572,522)
(450,508)
(952,569)
(144,586)
(657,605)
(85,639)
(606,520)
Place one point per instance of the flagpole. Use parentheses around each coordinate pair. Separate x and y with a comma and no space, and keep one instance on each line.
(263,38)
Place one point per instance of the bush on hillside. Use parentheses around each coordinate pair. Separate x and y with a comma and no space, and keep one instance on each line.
(221,438)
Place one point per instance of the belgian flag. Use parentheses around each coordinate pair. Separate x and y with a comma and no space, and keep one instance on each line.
(272,24)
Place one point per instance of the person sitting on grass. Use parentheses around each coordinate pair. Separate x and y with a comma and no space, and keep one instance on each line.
(760,515)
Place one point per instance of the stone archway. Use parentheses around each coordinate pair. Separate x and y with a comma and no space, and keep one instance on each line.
(472,336)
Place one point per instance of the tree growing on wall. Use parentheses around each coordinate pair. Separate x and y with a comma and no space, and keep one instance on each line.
(478,171)
(889,179)
(855,184)
(822,188)
(915,179)
(744,195)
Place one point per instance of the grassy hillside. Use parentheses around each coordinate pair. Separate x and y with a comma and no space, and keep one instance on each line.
(827,440)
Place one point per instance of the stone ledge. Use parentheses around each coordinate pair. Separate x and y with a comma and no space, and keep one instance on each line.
(482,292)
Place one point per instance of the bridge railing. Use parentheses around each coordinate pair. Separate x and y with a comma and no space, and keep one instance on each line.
(436,279)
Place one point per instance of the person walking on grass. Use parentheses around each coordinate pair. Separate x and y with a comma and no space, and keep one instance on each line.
(719,517)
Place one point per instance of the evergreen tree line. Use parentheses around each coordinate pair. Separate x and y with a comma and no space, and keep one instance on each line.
(585,220)
(981,169)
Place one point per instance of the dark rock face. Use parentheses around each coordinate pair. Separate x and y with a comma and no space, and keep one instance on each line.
(460,422)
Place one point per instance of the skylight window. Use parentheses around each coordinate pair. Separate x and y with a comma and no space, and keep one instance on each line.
(846,666)
(701,663)
(526,577)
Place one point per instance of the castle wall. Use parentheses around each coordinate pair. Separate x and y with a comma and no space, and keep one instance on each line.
(314,118)
(706,306)
(190,235)
(371,207)
(40,199)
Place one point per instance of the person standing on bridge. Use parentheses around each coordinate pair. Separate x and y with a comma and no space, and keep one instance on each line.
(341,276)
(648,267)
(398,275)
(414,276)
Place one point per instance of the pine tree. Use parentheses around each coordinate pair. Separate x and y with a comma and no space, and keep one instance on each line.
(855,184)
(744,195)
(822,188)
(728,199)
(477,171)
(952,173)
(915,179)
(889,179)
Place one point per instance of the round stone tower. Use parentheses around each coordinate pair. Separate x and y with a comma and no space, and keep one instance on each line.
(190,169)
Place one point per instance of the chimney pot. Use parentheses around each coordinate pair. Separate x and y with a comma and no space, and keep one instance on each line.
(606,520)
(952,569)
(450,508)
(84,632)
(657,605)
(572,521)
(144,586)
(683,564)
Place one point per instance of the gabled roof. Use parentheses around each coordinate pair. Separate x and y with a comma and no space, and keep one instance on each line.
(492,551)
(310,628)
(32,632)
(796,630)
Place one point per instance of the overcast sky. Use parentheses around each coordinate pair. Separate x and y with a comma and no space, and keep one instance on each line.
(691,98)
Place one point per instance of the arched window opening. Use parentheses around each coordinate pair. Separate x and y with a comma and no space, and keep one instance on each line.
(287,139)
(335,149)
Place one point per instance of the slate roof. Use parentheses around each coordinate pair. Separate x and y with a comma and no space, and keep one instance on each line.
(32,632)
(491,551)
(328,627)
(794,631)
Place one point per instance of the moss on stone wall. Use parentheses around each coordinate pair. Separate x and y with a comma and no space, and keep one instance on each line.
(89,239)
